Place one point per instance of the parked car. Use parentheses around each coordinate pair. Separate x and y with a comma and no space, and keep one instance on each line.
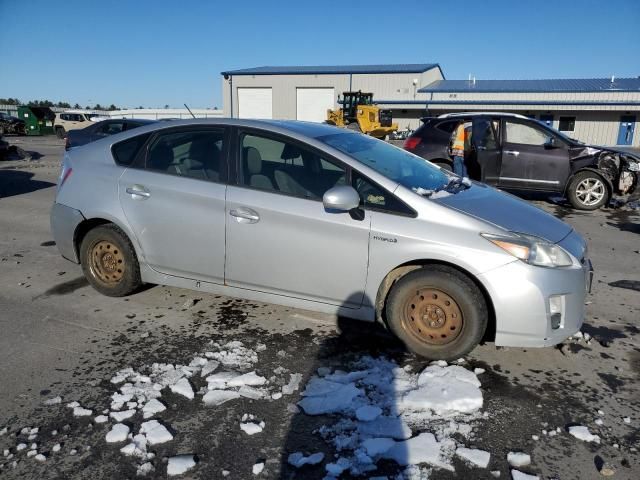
(102,129)
(67,121)
(321,218)
(515,152)
(10,124)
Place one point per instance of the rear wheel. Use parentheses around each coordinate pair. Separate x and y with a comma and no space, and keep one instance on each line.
(588,191)
(109,261)
(437,312)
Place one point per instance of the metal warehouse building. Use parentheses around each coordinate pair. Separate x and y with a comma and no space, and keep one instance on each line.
(602,111)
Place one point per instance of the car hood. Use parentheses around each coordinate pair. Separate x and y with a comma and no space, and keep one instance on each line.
(506,211)
(583,150)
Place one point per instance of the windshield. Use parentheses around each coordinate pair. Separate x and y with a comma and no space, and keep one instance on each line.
(394,163)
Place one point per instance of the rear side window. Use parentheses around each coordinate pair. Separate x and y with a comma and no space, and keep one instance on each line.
(112,128)
(125,152)
(448,126)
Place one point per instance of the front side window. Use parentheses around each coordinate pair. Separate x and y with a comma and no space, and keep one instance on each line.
(567,124)
(524,134)
(394,163)
(284,167)
(194,154)
(374,197)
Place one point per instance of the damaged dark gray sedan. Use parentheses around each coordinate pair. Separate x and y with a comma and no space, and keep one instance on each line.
(514,152)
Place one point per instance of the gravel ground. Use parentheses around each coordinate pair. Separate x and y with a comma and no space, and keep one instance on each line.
(61,338)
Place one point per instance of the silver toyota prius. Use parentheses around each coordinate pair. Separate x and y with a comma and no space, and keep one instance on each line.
(325,219)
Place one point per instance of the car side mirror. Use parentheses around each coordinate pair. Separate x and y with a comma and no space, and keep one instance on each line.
(551,143)
(342,198)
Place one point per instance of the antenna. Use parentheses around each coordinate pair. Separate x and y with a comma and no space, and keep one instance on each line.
(474,81)
(185,105)
(613,78)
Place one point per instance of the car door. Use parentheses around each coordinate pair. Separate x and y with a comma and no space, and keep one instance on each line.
(486,154)
(280,239)
(529,160)
(174,200)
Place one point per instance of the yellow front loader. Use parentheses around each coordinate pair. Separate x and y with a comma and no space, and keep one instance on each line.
(359,113)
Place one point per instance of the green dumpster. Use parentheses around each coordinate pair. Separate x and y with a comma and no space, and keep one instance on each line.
(39,120)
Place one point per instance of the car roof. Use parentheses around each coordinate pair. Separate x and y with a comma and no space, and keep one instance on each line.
(476,114)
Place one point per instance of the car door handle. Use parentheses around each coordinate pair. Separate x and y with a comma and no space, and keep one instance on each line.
(138,191)
(513,153)
(245,215)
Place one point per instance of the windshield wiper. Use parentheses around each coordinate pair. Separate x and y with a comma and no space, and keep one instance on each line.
(455,185)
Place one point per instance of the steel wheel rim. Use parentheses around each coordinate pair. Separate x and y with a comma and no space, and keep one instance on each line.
(432,316)
(590,191)
(106,262)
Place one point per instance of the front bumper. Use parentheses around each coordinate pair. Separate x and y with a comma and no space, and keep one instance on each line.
(521,300)
(64,221)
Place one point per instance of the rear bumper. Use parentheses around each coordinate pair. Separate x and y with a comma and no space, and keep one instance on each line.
(521,299)
(64,221)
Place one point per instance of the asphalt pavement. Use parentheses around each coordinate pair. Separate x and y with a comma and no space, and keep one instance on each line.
(61,338)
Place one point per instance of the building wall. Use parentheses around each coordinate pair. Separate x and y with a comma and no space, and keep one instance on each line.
(384,86)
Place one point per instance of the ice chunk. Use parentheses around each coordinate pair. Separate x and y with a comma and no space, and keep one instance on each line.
(251,428)
(118,433)
(293,385)
(480,458)
(423,448)
(120,416)
(338,467)
(73,404)
(583,433)
(40,457)
(82,412)
(144,469)
(323,396)
(298,459)
(183,387)
(518,475)
(152,407)
(21,446)
(180,464)
(367,413)
(209,367)
(155,432)
(3,431)
(219,380)
(251,379)
(518,459)
(101,419)
(53,401)
(257,468)
(218,397)
(250,392)
(444,390)
(377,446)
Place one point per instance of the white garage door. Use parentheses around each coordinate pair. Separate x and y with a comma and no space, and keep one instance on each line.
(313,103)
(254,103)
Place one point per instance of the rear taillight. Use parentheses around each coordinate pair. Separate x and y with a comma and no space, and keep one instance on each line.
(411,143)
(64,174)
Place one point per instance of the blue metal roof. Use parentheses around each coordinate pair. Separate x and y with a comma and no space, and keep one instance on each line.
(573,85)
(335,69)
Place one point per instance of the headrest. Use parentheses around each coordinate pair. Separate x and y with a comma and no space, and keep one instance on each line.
(290,151)
(161,156)
(253,160)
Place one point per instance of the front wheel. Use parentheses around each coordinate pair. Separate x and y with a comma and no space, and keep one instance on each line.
(60,132)
(109,261)
(437,312)
(588,191)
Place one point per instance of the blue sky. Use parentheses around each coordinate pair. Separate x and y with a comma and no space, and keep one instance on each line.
(153,53)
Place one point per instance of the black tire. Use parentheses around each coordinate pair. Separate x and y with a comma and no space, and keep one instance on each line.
(576,192)
(60,132)
(445,166)
(115,272)
(467,305)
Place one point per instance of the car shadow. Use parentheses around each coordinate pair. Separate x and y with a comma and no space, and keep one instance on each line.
(307,430)
(16,182)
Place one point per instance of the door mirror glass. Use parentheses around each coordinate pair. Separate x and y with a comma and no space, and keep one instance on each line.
(551,143)
(343,198)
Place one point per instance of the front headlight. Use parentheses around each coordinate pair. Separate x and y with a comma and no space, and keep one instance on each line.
(532,250)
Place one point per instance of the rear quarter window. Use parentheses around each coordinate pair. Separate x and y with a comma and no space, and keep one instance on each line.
(124,153)
(447,126)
